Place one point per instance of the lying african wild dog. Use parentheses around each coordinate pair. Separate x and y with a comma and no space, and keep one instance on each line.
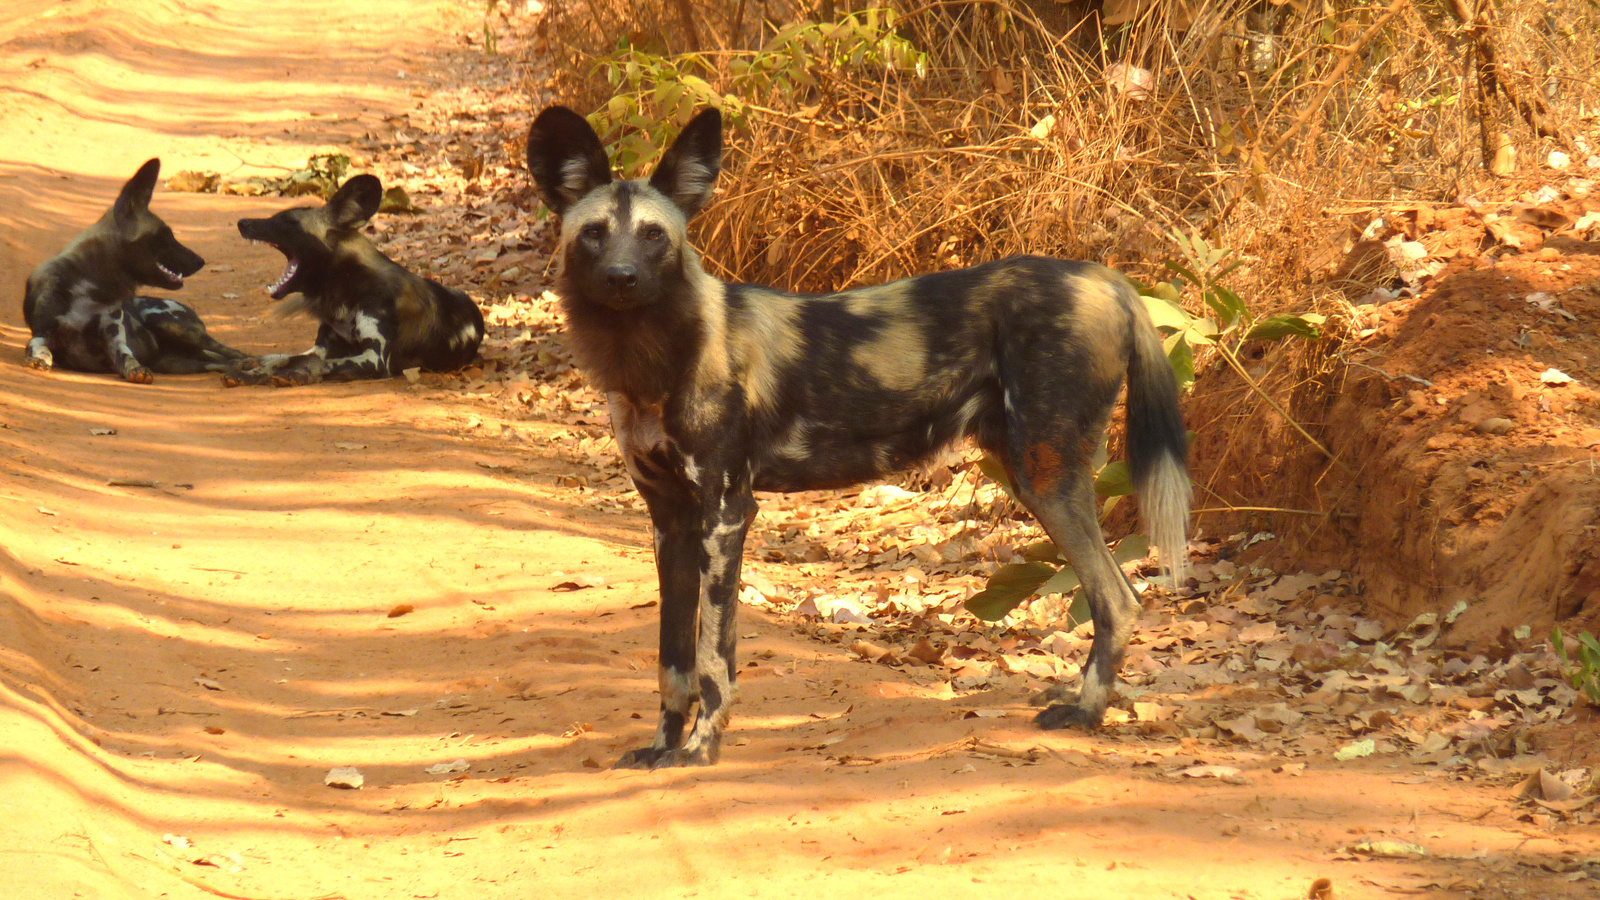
(377,319)
(84,313)
(719,389)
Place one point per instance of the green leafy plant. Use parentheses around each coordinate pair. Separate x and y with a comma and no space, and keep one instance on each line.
(654,95)
(1584,669)
(1204,267)
(491,40)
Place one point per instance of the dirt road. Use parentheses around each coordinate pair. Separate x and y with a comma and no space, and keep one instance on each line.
(195,609)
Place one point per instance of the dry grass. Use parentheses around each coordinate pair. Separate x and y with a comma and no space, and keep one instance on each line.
(1277,131)
(1267,128)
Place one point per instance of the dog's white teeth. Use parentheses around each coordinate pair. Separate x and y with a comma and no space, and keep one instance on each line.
(288,274)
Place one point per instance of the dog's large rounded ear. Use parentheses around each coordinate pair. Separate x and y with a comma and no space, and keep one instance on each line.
(688,171)
(355,202)
(566,158)
(136,194)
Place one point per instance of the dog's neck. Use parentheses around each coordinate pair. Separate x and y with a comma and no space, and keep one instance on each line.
(97,256)
(647,352)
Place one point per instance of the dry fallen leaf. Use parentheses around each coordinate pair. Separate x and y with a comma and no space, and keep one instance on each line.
(1387,849)
(209,684)
(449,768)
(1227,774)
(578,583)
(401,609)
(347,777)
(1355,750)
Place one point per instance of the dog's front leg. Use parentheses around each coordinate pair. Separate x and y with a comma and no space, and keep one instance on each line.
(38,354)
(675,519)
(367,356)
(726,510)
(306,366)
(114,328)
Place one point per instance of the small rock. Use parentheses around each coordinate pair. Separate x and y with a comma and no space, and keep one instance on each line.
(1495,426)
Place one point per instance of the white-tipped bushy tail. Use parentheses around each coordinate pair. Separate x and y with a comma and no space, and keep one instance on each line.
(1158,446)
(1164,498)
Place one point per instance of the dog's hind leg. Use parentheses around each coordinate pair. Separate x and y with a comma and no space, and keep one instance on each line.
(1060,367)
(115,328)
(185,346)
(1068,516)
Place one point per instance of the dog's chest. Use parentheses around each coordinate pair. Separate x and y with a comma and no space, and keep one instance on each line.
(643,440)
(82,311)
(343,323)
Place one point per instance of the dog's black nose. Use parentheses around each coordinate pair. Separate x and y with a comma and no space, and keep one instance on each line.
(621,276)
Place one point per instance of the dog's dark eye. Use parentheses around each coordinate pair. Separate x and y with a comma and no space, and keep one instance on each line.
(593,231)
(654,233)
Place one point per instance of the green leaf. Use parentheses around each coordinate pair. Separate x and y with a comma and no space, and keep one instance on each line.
(1043,551)
(1064,581)
(1181,270)
(702,89)
(1079,612)
(1229,308)
(1165,313)
(1102,453)
(1115,480)
(991,467)
(1181,357)
(1110,504)
(1276,328)
(1007,588)
(1130,548)
(1201,332)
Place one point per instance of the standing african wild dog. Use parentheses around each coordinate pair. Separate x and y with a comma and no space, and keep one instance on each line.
(719,389)
(83,311)
(377,319)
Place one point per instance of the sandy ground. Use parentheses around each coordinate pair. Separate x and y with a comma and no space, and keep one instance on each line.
(194,610)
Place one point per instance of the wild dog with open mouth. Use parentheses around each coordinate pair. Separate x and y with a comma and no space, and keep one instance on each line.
(719,389)
(377,319)
(84,313)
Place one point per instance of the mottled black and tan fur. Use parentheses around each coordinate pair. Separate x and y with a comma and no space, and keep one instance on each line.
(717,390)
(376,319)
(83,310)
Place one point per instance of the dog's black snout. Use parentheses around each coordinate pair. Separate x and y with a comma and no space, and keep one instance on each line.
(621,276)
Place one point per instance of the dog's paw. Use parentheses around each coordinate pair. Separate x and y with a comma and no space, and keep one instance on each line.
(41,360)
(235,378)
(660,758)
(139,375)
(293,378)
(1068,715)
(642,758)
